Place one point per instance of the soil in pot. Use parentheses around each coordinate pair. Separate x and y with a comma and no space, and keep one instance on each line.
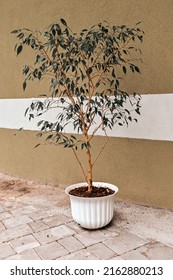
(96,192)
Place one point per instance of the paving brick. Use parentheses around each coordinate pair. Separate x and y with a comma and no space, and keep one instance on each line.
(50,235)
(124,242)
(39,215)
(57,210)
(76,227)
(8,205)
(16,221)
(152,250)
(90,237)
(24,210)
(71,244)
(24,243)
(14,232)
(137,254)
(38,226)
(101,251)
(1,226)
(109,233)
(51,251)
(113,228)
(44,213)
(25,255)
(157,251)
(80,255)
(5,251)
(66,211)
(56,220)
(5,215)
(117,258)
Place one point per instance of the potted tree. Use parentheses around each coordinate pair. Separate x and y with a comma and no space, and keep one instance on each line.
(84,72)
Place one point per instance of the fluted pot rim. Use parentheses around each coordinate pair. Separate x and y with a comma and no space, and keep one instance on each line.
(101,184)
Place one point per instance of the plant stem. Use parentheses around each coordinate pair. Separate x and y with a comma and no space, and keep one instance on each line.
(89,161)
(81,166)
(90,175)
(101,150)
(89,179)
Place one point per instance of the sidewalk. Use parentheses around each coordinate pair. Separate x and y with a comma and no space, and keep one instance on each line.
(35,223)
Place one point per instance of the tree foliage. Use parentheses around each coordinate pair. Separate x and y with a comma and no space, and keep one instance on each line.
(83,81)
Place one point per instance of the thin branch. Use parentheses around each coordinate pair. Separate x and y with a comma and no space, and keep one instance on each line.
(101,150)
(41,50)
(80,164)
(94,132)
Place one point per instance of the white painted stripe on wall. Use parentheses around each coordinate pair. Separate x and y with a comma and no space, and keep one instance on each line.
(155,122)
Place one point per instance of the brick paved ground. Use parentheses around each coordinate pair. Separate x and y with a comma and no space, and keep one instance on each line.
(35,223)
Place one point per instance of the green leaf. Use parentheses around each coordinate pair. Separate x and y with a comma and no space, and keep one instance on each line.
(15,31)
(20,36)
(66,31)
(58,28)
(117,83)
(73,68)
(40,122)
(42,95)
(72,136)
(31,116)
(18,130)
(124,51)
(19,49)
(26,111)
(137,69)
(89,70)
(132,68)
(113,73)
(111,83)
(140,38)
(53,32)
(83,145)
(124,70)
(39,75)
(137,111)
(49,137)
(63,22)
(25,69)
(24,85)
(39,134)
(36,146)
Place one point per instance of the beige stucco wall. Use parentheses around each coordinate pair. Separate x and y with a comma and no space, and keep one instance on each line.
(141,168)
(157,21)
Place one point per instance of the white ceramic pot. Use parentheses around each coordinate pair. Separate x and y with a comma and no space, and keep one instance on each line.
(92,212)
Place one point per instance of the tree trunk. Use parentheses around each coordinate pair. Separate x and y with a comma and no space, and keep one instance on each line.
(88,154)
(90,175)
